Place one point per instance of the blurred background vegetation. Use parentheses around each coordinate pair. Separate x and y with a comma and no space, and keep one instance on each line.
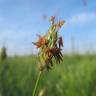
(75,76)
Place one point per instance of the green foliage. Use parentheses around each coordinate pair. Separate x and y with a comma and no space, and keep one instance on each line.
(3,54)
(75,76)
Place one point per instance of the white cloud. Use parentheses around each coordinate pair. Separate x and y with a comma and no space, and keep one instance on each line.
(82,18)
(12,39)
(14,34)
(16,42)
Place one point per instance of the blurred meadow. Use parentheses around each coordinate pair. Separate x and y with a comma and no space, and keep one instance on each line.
(75,76)
(21,21)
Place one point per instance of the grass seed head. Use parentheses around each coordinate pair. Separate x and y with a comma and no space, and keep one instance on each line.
(50,45)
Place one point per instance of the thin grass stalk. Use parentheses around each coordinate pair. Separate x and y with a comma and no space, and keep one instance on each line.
(37,82)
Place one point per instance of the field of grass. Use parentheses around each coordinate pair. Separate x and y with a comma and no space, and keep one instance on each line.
(75,76)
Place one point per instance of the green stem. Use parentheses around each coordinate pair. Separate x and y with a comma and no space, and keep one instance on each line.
(37,82)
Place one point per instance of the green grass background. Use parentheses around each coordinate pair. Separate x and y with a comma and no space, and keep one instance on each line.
(75,76)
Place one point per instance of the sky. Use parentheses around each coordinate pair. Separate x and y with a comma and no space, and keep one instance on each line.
(21,20)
